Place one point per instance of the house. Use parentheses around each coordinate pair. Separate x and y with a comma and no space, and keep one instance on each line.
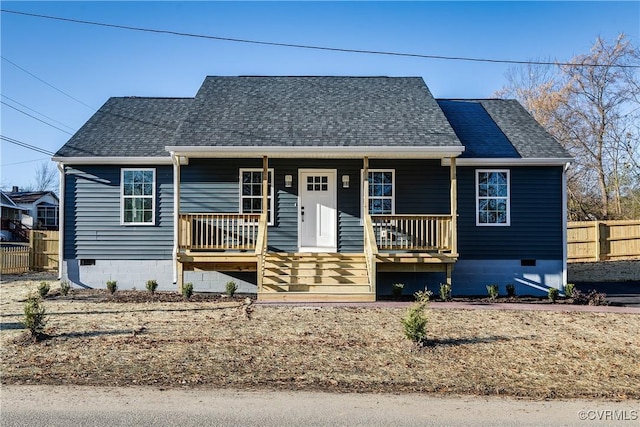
(11,218)
(40,208)
(314,188)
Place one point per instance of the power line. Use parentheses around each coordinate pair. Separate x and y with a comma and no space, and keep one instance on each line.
(301,46)
(27,146)
(35,118)
(26,161)
(37,112)
(47,83)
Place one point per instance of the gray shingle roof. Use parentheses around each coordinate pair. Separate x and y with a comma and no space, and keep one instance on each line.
(494,128)
(311,111)
(129,127)
(479,134)
(315,111)
(528,137)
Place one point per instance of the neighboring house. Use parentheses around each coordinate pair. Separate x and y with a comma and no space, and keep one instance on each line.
(11,218)
(40,208)
(314,188)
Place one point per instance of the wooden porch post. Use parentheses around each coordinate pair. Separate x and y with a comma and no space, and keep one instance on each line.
(365,186)
(265,184)
(454,207)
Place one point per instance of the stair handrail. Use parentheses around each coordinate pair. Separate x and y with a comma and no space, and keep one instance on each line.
(370,251)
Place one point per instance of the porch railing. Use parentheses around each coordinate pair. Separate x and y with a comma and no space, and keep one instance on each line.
(413,232)
(218,231)
(370,252)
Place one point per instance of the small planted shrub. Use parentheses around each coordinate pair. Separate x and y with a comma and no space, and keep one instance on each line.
(187,290)
(493,292)
(231,288)
(511,290)
(414,324)
(43,289)
(112,286)
(34,316)
(445,291)
(396,290)
(65,287)
(569,290)
(152,285)
(553,294)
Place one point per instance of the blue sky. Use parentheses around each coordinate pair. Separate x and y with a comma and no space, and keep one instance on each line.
(92,63)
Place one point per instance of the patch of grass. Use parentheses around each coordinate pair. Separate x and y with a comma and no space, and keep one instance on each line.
(530,354)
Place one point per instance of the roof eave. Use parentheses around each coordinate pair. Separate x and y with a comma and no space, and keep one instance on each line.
(510,161)
(324,152)
(165,160)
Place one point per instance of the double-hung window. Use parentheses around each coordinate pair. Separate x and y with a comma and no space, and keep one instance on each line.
(48,216)
(251,192)
(138,196)
(492,198)
(381,192)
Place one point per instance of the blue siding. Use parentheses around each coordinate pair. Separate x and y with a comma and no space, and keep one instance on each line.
(211,185)
(92,217)
(536,217)
(422,186)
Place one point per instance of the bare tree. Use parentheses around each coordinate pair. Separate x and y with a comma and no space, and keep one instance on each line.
(593,109)
(46,178)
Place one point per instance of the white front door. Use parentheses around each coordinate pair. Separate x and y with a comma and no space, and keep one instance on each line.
(317,213)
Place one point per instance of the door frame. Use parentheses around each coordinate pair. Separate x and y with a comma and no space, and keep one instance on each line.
(326,171)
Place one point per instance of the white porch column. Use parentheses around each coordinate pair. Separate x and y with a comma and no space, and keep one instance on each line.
(176,220)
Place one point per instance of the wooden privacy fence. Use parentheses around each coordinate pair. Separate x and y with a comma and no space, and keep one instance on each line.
(41,253)
(603,240)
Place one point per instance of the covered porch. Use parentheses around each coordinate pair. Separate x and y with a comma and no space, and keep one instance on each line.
(240,243)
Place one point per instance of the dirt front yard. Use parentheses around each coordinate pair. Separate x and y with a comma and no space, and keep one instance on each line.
(96,340)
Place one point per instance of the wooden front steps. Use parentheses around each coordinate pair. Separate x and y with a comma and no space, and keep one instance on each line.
(315,277)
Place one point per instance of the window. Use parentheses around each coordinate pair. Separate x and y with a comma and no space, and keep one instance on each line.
(138,196)
(492,197)
(381,192)
(48,216)
(251,192)
(318,183)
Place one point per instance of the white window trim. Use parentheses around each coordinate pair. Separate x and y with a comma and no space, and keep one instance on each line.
(270,199)
(478,223)
(153,197)
(47,209)
(393,191)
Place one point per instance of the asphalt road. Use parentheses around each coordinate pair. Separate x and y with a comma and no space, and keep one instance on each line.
(99,406)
